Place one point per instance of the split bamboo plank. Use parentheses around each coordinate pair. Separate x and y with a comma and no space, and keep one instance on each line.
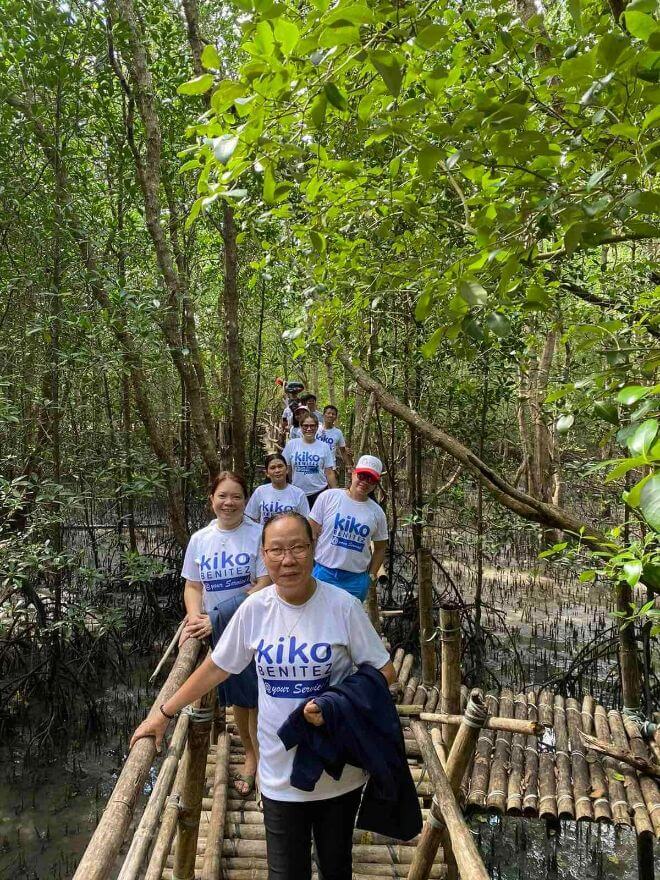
(597,776)
(409,691)
(565,802)
(530,783)
(211,869)
(580,769)
(406,669)
(499,770)
(397,660)
(482,756)
(636,802)
(102,850)
(514,789)
(617,793)
(649,787)
(547,784)
(167,829)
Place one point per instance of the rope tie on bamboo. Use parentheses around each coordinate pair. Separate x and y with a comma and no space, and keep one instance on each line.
(197,715)
(475,716)
(653,809)
(450,632)
(433,821)
(620,804)
(584,797)
(495,793)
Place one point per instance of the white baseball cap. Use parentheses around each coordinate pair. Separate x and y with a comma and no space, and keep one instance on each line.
(369,464)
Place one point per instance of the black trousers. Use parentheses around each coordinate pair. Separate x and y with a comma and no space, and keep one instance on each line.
(289,829)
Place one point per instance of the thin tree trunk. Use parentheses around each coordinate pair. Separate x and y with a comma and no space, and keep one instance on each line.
(233,342)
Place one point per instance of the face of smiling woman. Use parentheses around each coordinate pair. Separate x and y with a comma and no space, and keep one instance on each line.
(289,557)
(228,503)
(309,428)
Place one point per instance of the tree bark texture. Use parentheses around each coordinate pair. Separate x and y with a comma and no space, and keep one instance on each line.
(233,340)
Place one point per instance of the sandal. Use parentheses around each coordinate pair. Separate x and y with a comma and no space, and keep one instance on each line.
(247,779)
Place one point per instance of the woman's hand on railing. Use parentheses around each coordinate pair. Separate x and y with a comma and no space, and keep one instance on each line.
(198,626)
(155,724)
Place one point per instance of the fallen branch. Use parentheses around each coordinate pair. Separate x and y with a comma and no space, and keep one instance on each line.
(642,765)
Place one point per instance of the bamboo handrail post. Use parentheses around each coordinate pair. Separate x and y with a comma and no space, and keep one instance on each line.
(434,831)
(459,840)
(426,626)
(148,823)
(201,720)
(211,869)
(450,630)
(102,850)
(169,818)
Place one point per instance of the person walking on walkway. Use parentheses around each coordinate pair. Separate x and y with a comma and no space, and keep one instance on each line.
(221,564)
(345,522)
(332,435)
(310,461)
(276,496)
(305,637)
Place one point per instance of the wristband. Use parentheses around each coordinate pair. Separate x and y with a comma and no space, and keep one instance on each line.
(163,712)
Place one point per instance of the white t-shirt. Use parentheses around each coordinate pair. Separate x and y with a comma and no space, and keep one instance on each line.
(267,501)
(295,433)
(225,562)
(333,437)
(288,415)
(348,527)
(299,651)
(308,464)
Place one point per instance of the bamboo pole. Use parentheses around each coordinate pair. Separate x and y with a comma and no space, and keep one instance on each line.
(482,756)
(547,780)
(167,828)
(466,854)
(498,782)
(565,802)
(642,765)
(426,626)
(617,793)
(201,720)
(515,783)
(211,869)
(103,848)
(450,633)
(648,786)
(531,775)
(172,645)
(638,809)
(579,767)
(597,777)
(148,823)
(434,831)
(527,727)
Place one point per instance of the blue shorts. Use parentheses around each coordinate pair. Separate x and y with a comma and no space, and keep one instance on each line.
(354,582)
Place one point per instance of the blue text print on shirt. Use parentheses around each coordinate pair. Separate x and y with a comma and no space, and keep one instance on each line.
(349,533)
(306,462)
(224,571)
(270,509)
(326,439)
(293,670)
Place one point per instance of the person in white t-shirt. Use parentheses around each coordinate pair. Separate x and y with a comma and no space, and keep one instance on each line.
(345,523)
(299,412)
(310,461)
(277,496)
(329,433)
(304,636)
(222,562)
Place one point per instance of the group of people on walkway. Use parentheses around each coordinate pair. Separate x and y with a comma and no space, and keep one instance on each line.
(277,582)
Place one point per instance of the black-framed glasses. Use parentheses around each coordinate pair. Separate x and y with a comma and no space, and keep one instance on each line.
(277,554)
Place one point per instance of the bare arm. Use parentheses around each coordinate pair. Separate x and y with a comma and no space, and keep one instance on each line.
(203,679)
(331,477)
(347,455)
(380,549)
(198,625)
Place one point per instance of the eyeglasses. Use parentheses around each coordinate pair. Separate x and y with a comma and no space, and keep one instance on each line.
(308,427)
(366,478)
(277,554)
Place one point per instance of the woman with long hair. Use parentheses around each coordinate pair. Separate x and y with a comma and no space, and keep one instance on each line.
(276,496)
(221,566)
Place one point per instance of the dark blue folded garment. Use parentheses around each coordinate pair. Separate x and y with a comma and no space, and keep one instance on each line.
(361,728)
(241,689)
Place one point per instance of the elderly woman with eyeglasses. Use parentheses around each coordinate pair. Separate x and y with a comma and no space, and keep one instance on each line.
(304,636)
(345,523)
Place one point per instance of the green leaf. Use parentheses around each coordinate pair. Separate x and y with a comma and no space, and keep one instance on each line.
(575,10)
(645,202)
(640,442)
(498,324)
(596,178)
(429,36)
(427,159)
(587,577)
(286,34)
(652,118)
(473,293)
(263,39)
(623,467)
(223,147)
(632,498)
(317,110)
(318,241)
(336,97)
(651,576)
(431,345)
(607,412)
(388,67)
(631,394)
(649,502)
(196,86)
(225,95)
(639,24)
(564,423)
(210,58)
(423,306)
(632,571)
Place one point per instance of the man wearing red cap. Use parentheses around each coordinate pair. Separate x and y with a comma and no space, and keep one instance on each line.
(345,522)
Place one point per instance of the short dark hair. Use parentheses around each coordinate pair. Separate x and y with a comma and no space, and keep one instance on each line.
(228,475)
(307,397)
(288,514)
(274,456)
(330,406)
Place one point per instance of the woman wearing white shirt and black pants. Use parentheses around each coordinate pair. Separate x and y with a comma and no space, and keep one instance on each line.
(304,637)
(310,461)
